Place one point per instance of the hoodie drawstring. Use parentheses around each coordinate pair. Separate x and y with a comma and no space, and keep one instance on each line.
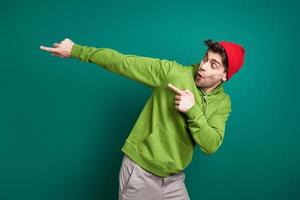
(205,104)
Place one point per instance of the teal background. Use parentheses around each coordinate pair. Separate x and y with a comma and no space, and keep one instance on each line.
(63,122)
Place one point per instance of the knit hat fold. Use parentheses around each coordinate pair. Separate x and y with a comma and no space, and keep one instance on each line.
(235,56)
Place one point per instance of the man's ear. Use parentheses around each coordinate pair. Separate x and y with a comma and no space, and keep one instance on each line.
(224,77)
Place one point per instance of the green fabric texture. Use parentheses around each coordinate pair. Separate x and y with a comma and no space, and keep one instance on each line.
(163,139)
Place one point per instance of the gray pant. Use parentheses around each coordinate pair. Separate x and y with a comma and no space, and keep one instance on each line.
(135,183)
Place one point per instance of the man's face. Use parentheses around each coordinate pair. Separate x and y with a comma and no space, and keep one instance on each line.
(210,72)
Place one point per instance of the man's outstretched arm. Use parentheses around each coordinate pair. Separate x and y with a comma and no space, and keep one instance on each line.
(149,71)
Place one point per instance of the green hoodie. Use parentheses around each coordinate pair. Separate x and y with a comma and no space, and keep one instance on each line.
(163,139)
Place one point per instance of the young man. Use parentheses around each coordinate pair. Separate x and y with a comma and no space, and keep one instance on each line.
(187,107)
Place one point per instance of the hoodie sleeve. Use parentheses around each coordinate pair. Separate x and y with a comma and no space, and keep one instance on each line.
(149,71)
(208,133)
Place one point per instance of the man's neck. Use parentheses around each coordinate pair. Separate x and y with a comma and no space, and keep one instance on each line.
(210,89)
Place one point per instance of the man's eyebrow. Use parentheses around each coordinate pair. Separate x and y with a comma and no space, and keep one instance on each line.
(206,54)
(217,62)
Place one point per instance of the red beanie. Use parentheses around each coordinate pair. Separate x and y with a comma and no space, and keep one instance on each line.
(235,56)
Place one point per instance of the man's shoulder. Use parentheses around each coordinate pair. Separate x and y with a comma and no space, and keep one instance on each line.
(181,70)
(222,98)
(225,101)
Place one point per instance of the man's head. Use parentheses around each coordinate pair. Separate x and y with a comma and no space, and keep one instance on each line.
(220,61)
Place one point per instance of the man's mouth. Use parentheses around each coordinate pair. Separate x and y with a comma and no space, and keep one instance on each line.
(199,76)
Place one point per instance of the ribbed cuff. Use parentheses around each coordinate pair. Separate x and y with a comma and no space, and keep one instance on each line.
(76,51)
(193,112)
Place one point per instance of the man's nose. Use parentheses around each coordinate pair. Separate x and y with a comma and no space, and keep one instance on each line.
(200,71)
(204,67)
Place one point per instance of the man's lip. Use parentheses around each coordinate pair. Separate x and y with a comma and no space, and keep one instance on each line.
(199,76)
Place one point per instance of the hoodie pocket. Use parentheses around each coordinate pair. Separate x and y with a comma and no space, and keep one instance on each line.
(166,150)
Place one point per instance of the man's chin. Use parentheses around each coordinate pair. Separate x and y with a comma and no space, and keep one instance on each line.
(199,82)
(203,85)
(200,85)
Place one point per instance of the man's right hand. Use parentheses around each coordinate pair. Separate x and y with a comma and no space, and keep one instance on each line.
(62,49)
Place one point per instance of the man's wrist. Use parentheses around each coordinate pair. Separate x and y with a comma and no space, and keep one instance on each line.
(75,51)
(193,112)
